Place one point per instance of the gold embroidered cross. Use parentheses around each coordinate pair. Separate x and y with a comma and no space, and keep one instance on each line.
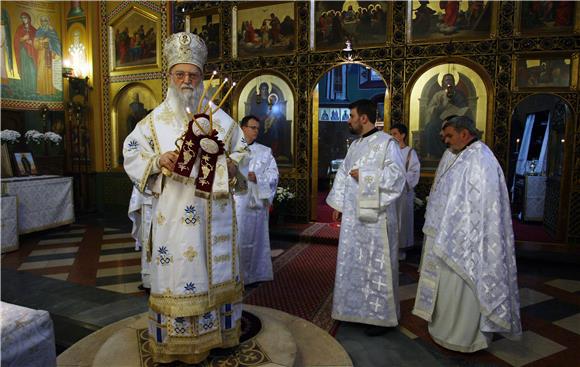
(190,253)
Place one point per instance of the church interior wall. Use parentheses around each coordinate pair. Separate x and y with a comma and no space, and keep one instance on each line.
(397,60)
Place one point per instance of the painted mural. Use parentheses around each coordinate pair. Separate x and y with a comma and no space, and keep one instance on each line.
(31,52)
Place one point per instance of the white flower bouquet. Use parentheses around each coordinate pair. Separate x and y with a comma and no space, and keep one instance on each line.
(52,137)
(283,195)
(34,136)
(9,136)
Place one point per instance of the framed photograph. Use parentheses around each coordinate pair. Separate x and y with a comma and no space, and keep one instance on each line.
(271,99)
(547,17)
(207,25)
(548,71)
(365,24)
(441,21)
(441,91)
(24,164)
(135,41)
(264,28)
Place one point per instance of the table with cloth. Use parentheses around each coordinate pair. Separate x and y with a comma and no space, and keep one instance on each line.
(9,229)
(27,337)
(43,201)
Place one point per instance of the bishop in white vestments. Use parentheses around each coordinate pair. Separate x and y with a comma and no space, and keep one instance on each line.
(365,191)
(188,163)
(406,203)
(468,285)
(252,207)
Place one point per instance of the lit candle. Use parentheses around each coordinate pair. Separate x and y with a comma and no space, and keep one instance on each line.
(187,23)
(225,97)
(215,94)
(205,90)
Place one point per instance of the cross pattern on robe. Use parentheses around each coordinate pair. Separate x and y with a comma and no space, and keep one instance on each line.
(381,262)
(380,284)
(376,304)
(366,291)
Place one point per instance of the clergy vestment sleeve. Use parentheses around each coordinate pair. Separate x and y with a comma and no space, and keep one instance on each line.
(268,180)
(392,175)
(141,154)
(336,196)
(414,170)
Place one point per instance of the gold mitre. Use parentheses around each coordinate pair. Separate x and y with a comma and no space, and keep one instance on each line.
(185,48)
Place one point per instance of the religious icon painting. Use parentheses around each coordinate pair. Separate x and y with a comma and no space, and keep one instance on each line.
(32,55)
(131,104)
(547,17)
(438,21)
(207,25)
(24,164)
(264,28)
(135,41)
(270,98)
(364,24)
(548,71)
(439,92)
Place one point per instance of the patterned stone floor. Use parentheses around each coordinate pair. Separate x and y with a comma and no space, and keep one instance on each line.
(99,261)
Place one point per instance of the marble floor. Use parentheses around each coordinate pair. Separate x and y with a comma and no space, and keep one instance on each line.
(87,276)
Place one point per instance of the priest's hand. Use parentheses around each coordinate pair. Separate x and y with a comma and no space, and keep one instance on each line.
(336,216)
(252,176)
(354,173)
(167,160)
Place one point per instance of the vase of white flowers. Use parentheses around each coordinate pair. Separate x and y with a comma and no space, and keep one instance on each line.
(43,144)
(283,197)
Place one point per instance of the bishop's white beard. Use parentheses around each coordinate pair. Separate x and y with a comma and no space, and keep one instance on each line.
(184,97)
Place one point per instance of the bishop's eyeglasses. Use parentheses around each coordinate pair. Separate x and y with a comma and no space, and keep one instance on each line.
(180,75)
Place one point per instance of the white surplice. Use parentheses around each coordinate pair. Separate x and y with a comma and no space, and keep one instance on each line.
(140,208)
(469,255)
(195,301)
(367,277)
(252,211)
(407,201)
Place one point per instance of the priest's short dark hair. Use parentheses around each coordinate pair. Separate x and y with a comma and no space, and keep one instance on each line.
(365,107)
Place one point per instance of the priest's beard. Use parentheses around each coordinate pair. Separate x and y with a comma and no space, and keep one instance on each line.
(186,96)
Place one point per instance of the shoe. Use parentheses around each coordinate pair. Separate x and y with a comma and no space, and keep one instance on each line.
(376,330)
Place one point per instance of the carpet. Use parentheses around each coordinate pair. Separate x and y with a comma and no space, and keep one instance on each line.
(321,233)
(302,286)
(531,232)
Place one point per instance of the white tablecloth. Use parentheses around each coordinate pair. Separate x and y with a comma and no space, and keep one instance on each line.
(43,201)
(9,224)
(27,337)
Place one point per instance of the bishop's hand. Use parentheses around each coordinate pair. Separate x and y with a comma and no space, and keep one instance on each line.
(167,160)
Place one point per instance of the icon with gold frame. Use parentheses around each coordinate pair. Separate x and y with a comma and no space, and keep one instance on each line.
(135,41)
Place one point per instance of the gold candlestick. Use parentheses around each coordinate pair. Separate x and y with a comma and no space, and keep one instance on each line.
(214,73)
(225,97)
(215,94)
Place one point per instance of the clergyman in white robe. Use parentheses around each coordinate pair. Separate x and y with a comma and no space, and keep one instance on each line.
(140,215)
(367,277)
(468,284)
(406,202)
(252,211)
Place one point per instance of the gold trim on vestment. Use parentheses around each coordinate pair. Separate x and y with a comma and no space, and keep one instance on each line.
(156,146)
(196,304)
(192,349)
(146,174)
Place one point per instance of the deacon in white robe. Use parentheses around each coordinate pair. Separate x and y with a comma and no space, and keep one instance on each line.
(140,215)
(468,285)
(406,203)
(252,207)
(196,291)
(365,191)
